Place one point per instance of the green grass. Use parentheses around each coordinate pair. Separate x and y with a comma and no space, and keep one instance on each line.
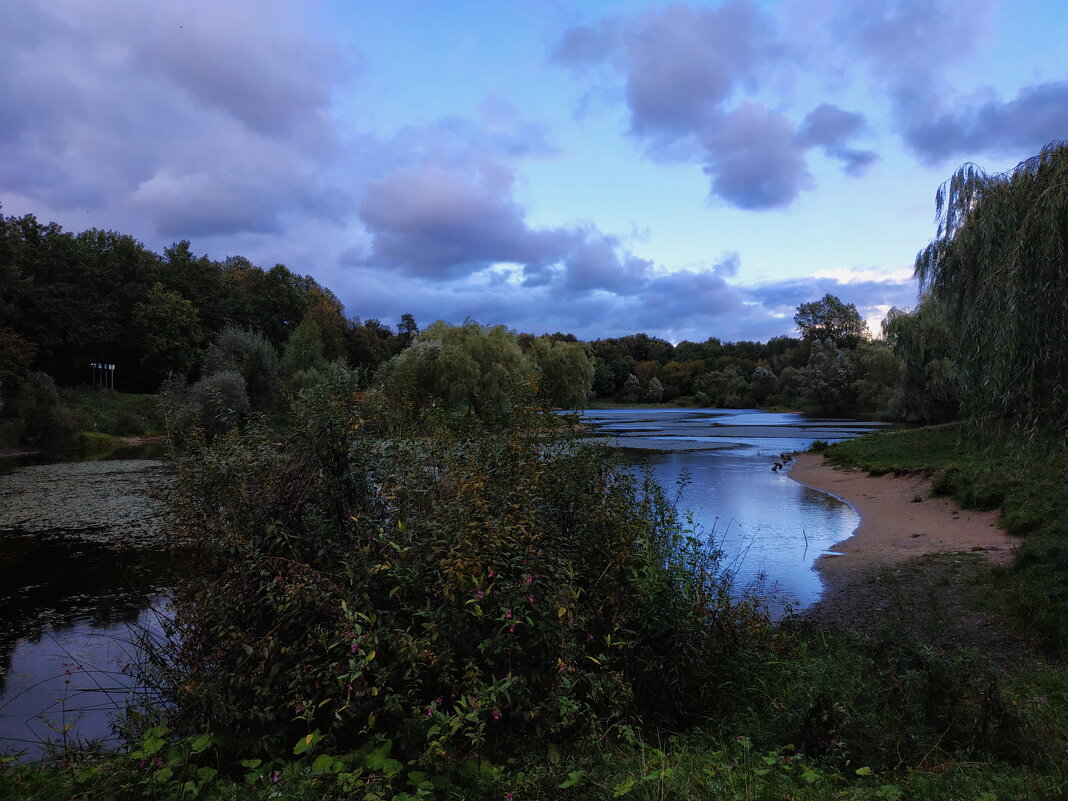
(116,413)
(1026,484)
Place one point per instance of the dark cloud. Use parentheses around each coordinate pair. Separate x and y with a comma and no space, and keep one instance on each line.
(754,160)
(910,47)
(683,68)
(441,223)
(687,304)
(1035,117)
(164,119)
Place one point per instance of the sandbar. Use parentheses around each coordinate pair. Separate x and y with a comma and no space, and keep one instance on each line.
(899,519)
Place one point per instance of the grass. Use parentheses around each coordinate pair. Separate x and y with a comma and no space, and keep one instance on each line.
(1025,484)
(115,413)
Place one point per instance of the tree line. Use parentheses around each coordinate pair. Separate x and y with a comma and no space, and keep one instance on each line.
(986,340)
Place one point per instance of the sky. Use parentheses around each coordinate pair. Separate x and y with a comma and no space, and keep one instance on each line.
(689,170)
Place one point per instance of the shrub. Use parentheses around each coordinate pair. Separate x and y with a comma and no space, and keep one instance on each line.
(457,587)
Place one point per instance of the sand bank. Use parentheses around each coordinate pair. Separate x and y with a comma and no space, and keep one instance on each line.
(894,525)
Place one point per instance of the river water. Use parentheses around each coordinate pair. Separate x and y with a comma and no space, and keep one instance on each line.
(84,570)
(770,528)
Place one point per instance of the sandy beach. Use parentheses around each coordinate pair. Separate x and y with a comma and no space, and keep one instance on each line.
(899,520)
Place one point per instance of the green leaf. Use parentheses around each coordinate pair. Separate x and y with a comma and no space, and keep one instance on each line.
(322,764)
(200,743)
(573,778)
(865,771)
(623,787)
(307,742)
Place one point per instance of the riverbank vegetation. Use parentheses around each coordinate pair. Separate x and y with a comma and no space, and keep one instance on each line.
(414,588)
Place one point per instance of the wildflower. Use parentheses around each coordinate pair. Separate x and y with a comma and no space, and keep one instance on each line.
(354,648)
(507,797)
(530,598)
(298,709)
(479,595)
(530,578)
(490,573)
(508,614)
(511,629)
(159,762)
(496,714)
(276,776)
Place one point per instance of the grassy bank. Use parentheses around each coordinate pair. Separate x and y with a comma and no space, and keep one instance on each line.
(84,418)
(1025,484)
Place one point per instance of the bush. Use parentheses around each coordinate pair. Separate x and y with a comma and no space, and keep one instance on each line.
(35,401)
(456,587)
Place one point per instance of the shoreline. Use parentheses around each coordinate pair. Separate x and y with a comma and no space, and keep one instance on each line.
(899,519)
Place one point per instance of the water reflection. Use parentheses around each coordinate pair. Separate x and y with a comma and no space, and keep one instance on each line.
(81,563)
(769,526)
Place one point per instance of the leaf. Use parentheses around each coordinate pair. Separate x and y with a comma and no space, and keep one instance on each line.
(307,742)
(200,743)
(573,778)
(623,787)
(322,764)
(865,771)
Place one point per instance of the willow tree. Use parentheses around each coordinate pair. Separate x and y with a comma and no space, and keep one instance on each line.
(999,266)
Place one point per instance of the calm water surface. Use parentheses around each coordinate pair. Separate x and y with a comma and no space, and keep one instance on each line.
(770,527)
(82,571)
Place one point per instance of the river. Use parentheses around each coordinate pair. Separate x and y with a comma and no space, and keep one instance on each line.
(84,569)
(771,529)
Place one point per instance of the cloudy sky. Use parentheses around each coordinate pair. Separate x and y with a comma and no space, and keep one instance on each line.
(685,169)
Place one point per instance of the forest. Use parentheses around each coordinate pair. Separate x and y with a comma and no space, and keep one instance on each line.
(198,329)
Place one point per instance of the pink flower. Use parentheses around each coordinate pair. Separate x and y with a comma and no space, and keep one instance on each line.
(511,629)
(508,614)
(496,714)
(479,595)
(507,797)
(354,648)
(298,709)
(530,578)
(530,598)
(489,573)
(276,776)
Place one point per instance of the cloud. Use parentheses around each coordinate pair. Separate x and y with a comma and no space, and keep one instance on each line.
(754,160)
(683,68)
(910,48)
(163,118)
(1035,117)
(830,128)
(684,304)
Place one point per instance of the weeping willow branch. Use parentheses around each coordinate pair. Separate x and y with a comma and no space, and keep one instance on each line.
(999,267)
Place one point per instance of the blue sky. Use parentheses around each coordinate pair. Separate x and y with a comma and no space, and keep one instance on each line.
(685,169)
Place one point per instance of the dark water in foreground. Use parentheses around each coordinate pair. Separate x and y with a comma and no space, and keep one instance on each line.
(82,566)
(768,526)
(83,569)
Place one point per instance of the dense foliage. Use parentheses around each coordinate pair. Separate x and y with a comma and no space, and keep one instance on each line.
(999,268)
(456,586)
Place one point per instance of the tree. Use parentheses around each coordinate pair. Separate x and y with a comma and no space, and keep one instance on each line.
(565,369)
(253,357)
(467,367)
(830,318)
(655,392)
(999,266)
(826,377)
(170,331)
